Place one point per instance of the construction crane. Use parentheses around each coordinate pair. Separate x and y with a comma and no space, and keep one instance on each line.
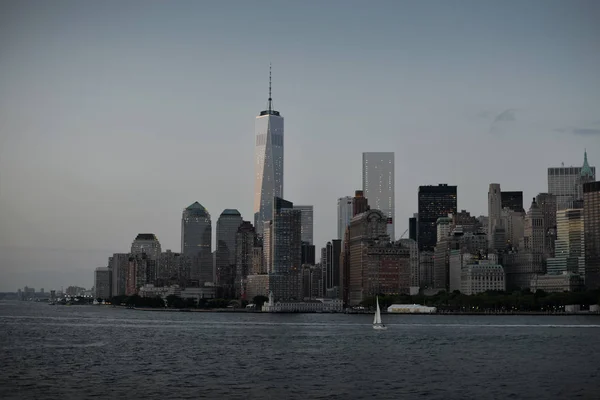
(403,234)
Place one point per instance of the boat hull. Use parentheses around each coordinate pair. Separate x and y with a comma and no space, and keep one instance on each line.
(379,327)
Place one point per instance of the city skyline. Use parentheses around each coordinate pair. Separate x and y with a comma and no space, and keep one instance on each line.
(88,164)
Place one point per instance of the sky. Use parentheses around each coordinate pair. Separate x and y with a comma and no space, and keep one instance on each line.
(116,115)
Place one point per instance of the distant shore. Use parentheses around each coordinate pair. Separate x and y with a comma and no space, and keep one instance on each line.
(237,310)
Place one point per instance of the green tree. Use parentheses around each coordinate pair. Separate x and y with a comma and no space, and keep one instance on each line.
(259,301)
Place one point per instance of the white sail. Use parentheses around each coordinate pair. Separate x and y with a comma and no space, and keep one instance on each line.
(378,314)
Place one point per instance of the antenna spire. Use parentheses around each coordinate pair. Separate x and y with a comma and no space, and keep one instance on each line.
(270,98)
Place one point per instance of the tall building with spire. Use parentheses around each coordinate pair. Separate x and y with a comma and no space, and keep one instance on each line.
(268,163)
(566,183)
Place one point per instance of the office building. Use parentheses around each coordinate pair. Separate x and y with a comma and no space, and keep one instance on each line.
(196,243)
(268,153)
(591,220)
(566,183)
(344,215)
(547,204)
(118,264)
(245,245)
(102,283)
(569,254)
(306,228)
(227,228)
(512,200)
(412,227)
(434,202)
(378,185)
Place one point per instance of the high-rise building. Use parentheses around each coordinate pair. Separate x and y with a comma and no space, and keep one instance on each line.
(306,228)
(331,264)
(569,250)
(434,202)
(118,264)
(144,260)
(146,243)
(591,218)
(227,228)
(102,281)
(245,243)
(547,204)
(512,200)
(286,251)
(534,229)
(171,270)
(308,253)
(344,215)
(412,227)
(378,185)
(566,183)
(268,153)
(196,242)
(494,213)
(360,203)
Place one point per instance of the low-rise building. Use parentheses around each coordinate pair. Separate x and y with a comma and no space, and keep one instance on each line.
(565,282)
(481,277)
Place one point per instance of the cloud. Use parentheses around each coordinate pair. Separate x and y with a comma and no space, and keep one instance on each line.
(502,121)
(507,115)
(579,131)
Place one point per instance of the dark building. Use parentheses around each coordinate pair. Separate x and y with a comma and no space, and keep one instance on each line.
(360,203)
(332,264)
(308,253)
(512,200)
(196,241)
(227,227)
(591,223)
(412,228)
(434,202)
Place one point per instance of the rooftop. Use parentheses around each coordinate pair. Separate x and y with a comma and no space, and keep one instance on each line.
(196,206)
(146,236)
(231,211)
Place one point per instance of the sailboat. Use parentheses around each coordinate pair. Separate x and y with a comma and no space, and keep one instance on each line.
(377,324)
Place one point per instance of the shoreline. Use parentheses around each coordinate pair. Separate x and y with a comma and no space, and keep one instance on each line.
(449,313)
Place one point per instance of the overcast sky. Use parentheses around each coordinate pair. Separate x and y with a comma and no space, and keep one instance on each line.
(116,115)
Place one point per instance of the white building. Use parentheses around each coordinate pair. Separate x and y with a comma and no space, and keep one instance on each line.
(344,215)
(306,223)
(378,185)
(565,282)
(481,277)
(317,305)
(268,162)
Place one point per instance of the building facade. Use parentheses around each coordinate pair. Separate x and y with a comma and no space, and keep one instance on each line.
(344,215)
(591,220)
(196,243)
(434,202)
(306,226)
(227,228)
(566,183)
(482,276)
(102,283)
(378,185)
(245,245)
(569,254)
(512,200)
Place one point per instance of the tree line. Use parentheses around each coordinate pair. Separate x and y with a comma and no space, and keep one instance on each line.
(519,300)
(173,301)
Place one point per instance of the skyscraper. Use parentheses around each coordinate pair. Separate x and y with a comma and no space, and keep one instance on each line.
(196,241)
(591,220)
(434,202)
(245,243)
(306,227)
(494,212)
(344,215)
(512,200)
(378,185)
(268,153)
(227,227)
(566,183)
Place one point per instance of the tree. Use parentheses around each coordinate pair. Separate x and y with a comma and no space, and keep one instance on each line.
(259,301)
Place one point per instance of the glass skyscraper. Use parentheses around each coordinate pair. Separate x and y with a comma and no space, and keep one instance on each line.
(268,163)
(378,185)
(434,202)
(196,240)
